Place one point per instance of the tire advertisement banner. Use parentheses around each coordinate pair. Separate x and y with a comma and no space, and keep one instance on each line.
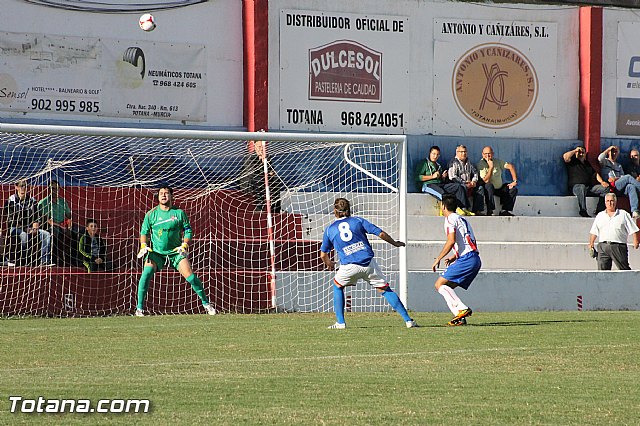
(78,77)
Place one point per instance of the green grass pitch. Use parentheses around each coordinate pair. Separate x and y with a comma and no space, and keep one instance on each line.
(550,368)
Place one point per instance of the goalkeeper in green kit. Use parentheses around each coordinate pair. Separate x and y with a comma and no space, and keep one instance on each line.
(170,236)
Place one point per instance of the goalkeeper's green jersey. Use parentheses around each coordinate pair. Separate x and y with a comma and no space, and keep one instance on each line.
(166,229)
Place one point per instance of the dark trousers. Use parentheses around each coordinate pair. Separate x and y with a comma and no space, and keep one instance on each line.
(507,196)
(617,252)
(477,194)
(454,188)
(92,266)
(64,247)
(582,191)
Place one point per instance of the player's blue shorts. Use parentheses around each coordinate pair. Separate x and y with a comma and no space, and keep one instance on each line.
(464,269)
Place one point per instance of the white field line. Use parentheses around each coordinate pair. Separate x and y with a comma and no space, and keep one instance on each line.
(328,357)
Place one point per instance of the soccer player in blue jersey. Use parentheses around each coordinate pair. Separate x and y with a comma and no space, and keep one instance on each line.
(170,233)
(348,236)
(462,267)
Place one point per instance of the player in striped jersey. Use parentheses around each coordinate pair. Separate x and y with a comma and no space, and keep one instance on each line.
(462,267)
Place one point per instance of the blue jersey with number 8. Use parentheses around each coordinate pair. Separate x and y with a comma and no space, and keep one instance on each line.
(348,236)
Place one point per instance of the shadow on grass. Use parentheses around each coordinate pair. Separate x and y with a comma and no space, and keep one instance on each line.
(501,324)
(524,323)
(483,324)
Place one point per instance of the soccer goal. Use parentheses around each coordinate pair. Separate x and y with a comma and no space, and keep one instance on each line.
(257,219)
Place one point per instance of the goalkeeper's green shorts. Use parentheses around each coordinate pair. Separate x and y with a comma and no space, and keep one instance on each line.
(161,259)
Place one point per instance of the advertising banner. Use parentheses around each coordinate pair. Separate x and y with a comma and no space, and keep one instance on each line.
(77,76)
(343,72)
(490,76)
(154,80)
(628,80)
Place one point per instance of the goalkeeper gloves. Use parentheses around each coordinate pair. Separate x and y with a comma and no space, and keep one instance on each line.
(143,250)
(182,249)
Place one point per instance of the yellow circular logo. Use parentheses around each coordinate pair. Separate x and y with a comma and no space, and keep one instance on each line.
(495,85)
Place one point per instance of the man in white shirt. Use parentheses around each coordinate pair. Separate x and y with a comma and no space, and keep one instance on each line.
(612,228)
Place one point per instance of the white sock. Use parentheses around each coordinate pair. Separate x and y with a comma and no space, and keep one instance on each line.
(453,301)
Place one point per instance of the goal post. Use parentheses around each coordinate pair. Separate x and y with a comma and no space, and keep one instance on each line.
(257,215)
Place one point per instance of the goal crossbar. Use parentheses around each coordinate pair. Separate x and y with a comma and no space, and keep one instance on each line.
(198,134)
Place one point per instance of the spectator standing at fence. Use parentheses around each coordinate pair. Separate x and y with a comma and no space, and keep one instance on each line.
(168,231)
(56,213)
(21,211)
(433,179)
(583,180)
(491,169)
(462,267)
(612,228)
(348,236)
(92,248)
(462,171)
(253,179)
(614,173)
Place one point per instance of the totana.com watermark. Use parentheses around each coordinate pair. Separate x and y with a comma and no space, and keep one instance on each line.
(43,405)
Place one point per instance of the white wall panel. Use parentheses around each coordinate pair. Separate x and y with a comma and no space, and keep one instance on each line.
(621,29)
(557,59)
(213,29)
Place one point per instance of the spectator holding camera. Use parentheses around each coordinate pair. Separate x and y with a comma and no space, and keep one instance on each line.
(613,172)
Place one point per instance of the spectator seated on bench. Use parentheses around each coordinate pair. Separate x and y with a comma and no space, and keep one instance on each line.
(463,172)
(55,212)
(92,248)
(10,249)
(583,180)
(434,181)
(491,170)
(614,173)
(22,220)
(633,165)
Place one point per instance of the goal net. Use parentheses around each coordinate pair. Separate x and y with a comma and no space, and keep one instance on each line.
(257,219)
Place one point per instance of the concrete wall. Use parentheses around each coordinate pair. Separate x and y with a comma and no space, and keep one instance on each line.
(491,291)
(541,170)
(533,291)
(558,122)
